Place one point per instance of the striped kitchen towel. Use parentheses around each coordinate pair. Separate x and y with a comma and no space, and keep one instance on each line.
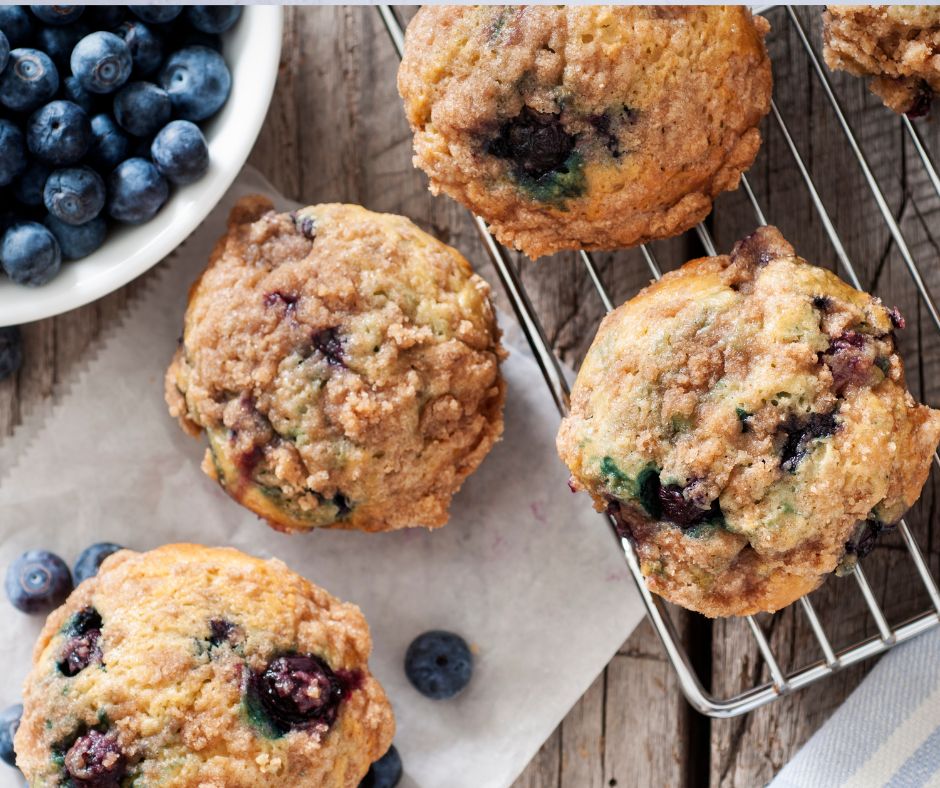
(886,734)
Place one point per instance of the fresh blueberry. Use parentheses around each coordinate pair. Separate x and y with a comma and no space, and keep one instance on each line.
(30,254)
(156,14)
(198,82)
(137,191)
(4,51)
(108,143)
(58,43)
(180,152)
(102,62)
(385,772)
(142,108)
(95,760)
(74,92)
(186,36)
(29,79)
(78,241)
(9,724)
(11,350)
(28,187)
(58,133)
(16,24)
(145,46)
(74,195)
(12,152)
(213,18)
(38,581)
(105,17)
(90,560)
(58,14)
(439,664)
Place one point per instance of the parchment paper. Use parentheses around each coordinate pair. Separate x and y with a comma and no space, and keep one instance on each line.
(525,570)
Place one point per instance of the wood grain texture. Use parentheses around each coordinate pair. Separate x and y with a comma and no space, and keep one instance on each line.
(336,132)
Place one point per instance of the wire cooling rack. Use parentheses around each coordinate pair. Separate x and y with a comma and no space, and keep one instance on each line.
(781,683)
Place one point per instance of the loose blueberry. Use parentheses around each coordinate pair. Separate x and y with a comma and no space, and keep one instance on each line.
(38,581)
(82,647)
(59,133)
(190,37)
(180,152)
(95,760)
(102,62)
(12,152)
(536,142)
(16,24)
(136,191)
(439,664)
(145,46)
(9,724)
(11,350)
(156,14)
(29,79)
(58,43)
(30,254)
(75,195)
(90,559)
(213,18)
(28,187)
(385,772)
(4,50)
(142,108)
(198,82)
(72,90)
(109,144)
(298,691)
(77,241)
(58,14)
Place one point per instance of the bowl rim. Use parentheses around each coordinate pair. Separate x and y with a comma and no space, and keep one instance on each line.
(130,251)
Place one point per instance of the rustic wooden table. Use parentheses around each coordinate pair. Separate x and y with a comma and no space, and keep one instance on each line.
(336,132)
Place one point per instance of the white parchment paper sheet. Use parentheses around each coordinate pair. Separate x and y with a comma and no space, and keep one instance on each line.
(525,570)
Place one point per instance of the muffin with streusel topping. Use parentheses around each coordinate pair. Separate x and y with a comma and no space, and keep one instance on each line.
(344,366)
(192,666)
(746,422)
(895,46)
(585,127)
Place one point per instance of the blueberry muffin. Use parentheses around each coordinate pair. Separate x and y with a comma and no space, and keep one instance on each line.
(193,666)
(895,46)
(344,366)
(585,127)
(746,422)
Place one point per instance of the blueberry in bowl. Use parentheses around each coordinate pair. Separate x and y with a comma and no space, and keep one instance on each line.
(74,195)
(88,94)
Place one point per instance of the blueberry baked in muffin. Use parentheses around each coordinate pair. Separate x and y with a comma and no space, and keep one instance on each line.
(192,666)
(746,422)
(344,366)
(894,46)
(585,127)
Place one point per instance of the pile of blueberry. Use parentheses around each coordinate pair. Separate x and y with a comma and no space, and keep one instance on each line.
(99,109)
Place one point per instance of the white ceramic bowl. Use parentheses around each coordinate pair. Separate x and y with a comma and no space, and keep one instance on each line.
(252,50)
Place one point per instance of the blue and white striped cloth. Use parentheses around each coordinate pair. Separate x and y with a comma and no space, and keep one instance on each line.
(886,734)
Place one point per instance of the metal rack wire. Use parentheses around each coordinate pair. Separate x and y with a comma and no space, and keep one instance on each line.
(781,683)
